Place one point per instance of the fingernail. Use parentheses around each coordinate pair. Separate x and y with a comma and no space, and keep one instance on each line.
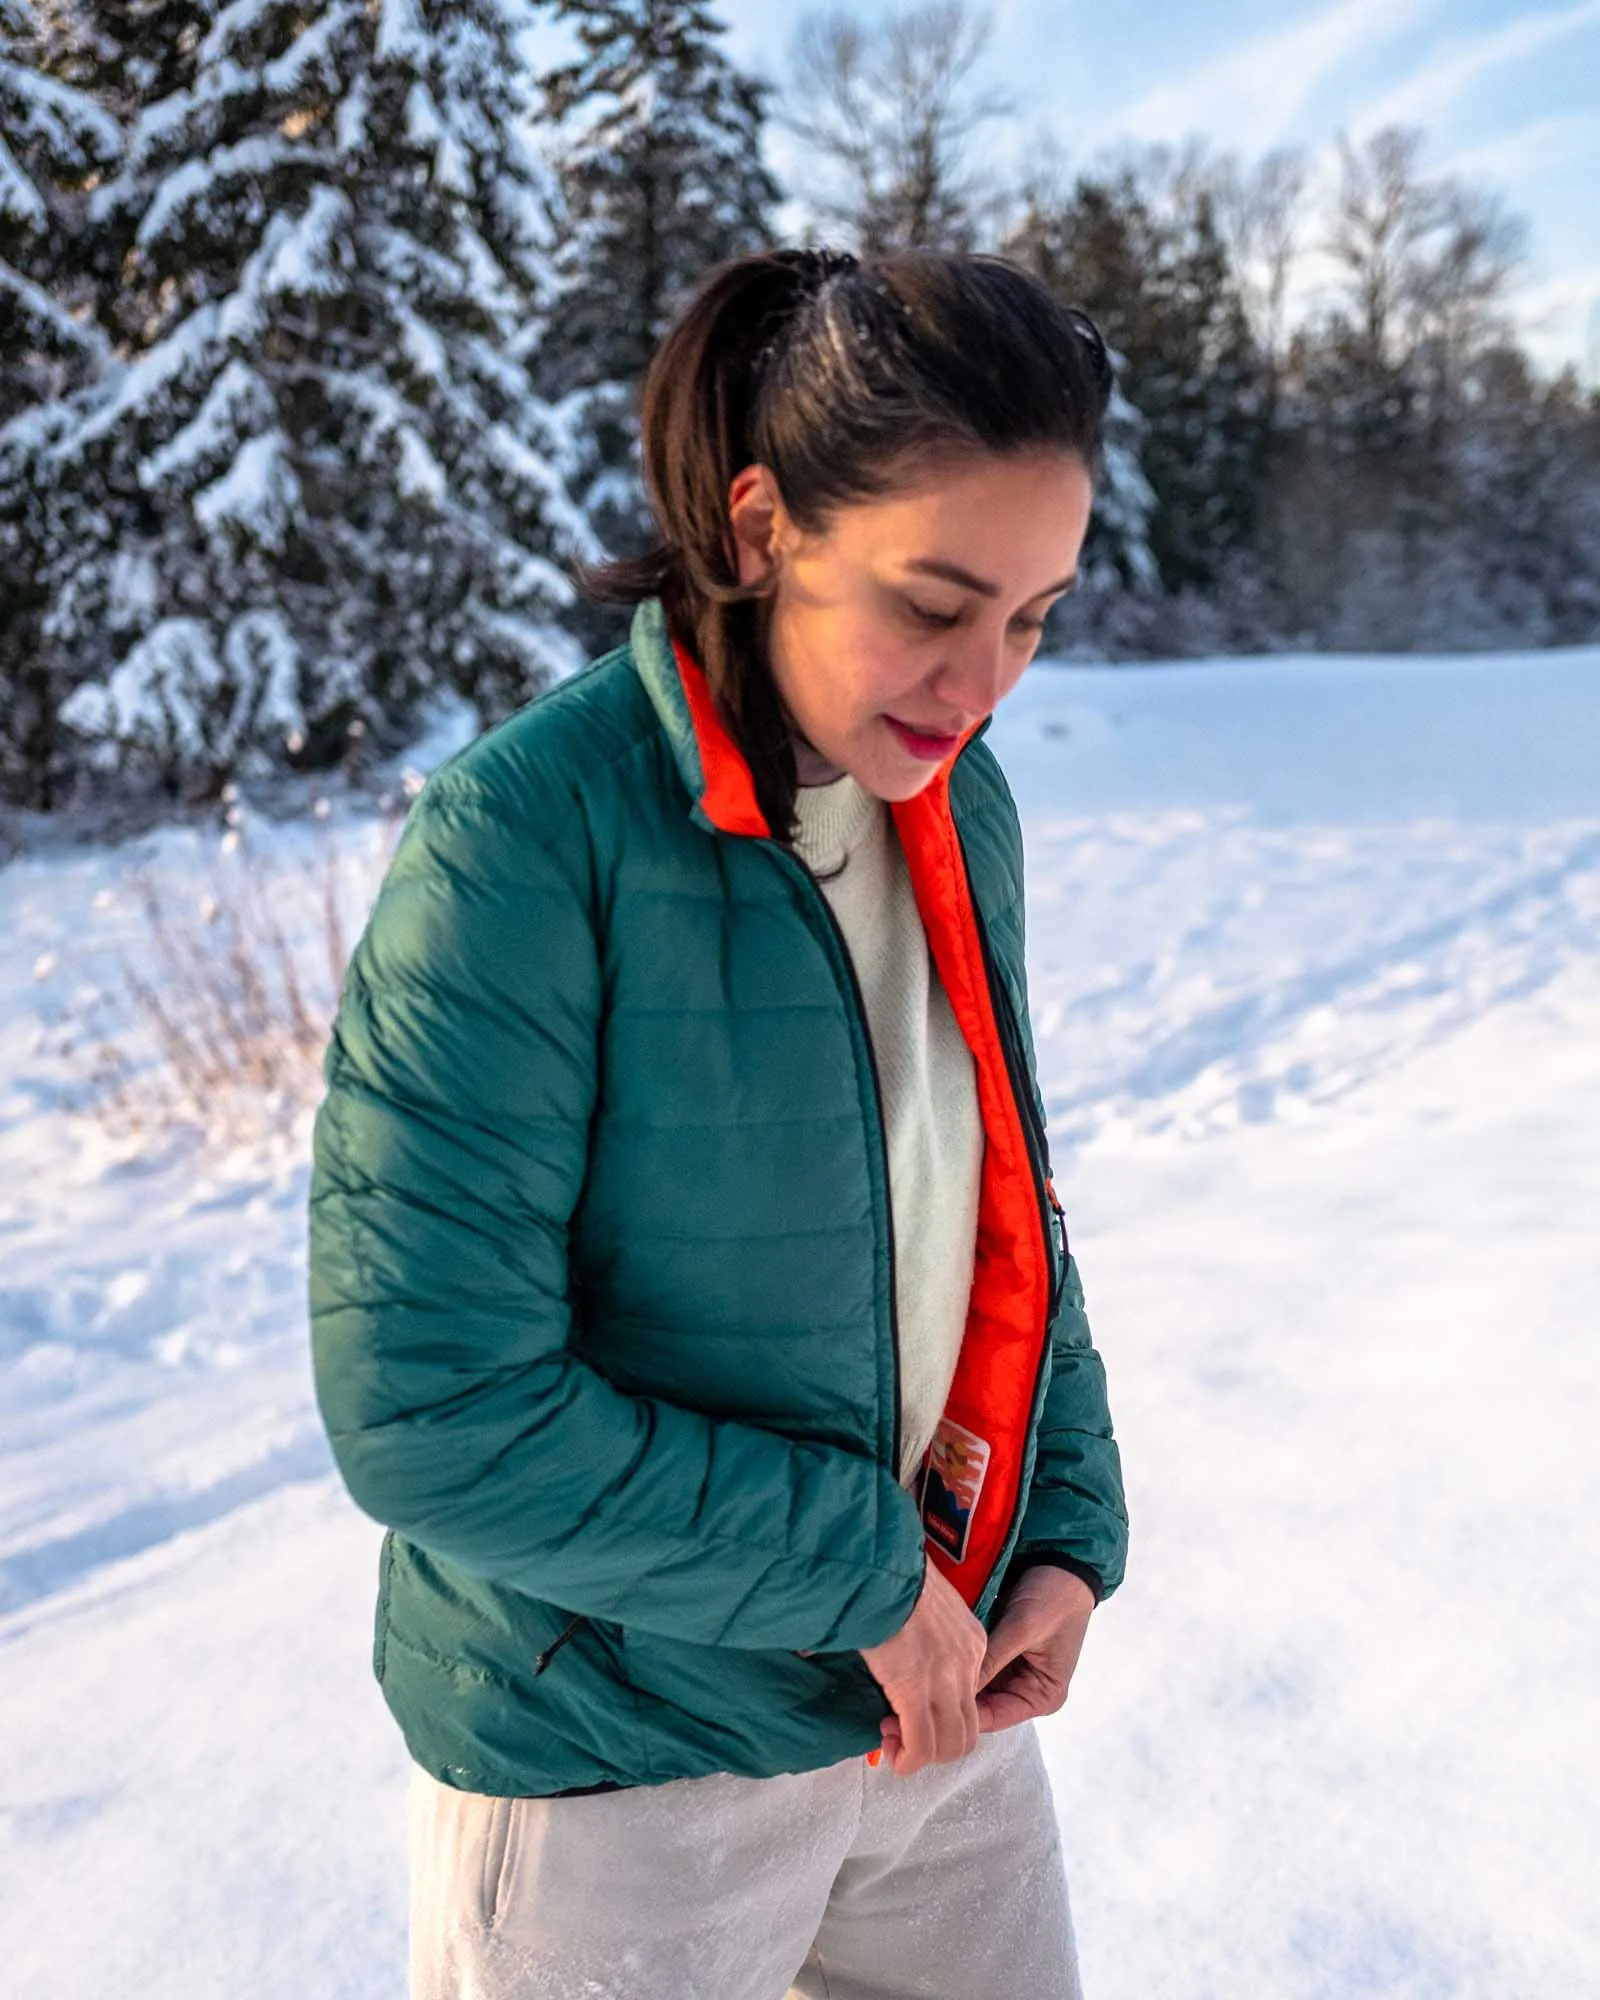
(874,1758)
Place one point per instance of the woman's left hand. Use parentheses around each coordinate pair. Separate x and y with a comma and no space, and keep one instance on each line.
(1034,1647)
(1033,1651)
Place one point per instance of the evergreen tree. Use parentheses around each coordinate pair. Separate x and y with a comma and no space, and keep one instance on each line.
(658,139)
(1117,552)
(1206,402)
(131,59)
(1149,263)
(320,482)
(659,142)
(1526,468)
(54,141)
(1500,549)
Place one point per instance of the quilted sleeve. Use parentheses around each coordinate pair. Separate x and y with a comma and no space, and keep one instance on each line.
(449,1156)
(1075,1506)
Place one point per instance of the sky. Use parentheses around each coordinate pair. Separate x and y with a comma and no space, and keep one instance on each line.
(1508,94)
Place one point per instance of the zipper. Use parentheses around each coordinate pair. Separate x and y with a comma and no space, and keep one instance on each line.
(798,867)
(1051,1215)
(1051,1219)
(1036,1143)
(1033,1127)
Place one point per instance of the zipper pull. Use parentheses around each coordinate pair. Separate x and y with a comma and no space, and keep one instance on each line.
(1063,1251)
(542,1660)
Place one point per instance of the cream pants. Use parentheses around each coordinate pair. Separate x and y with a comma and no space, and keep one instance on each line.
(841,1884)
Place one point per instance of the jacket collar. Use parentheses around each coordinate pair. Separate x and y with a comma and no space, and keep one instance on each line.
(710,763)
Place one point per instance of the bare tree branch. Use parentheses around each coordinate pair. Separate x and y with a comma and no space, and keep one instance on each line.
(1260,209)
(1427,262)
(892,108)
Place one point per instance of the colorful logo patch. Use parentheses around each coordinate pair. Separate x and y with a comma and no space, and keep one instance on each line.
(952,1479)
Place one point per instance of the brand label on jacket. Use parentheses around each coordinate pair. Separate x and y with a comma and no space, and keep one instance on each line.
(952,1478)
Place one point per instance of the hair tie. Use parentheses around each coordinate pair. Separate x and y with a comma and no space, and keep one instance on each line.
(813,270)
(818,266)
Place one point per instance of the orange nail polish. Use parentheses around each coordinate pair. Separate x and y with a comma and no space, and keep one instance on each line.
(874,1758)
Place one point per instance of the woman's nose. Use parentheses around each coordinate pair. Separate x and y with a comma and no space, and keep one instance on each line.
(976,673)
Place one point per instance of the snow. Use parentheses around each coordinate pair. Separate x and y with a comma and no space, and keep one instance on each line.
(350,117)
(133,596)
(236,25)
(187,119)
(486,281)
(237,400)
(401,35)
(303,259)
(452,167)
(20,201)
(424,126)
(139,385)
(531,469)
(1315,958)
(425,353)
(314,49)
(418,474)
(66,124)
(199,183)
(30,308)
(157,697)
(263,662)
(257,496)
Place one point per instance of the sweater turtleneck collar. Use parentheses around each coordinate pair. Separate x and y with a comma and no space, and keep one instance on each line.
(832,820)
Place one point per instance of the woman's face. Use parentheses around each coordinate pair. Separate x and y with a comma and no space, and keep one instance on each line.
(908,618)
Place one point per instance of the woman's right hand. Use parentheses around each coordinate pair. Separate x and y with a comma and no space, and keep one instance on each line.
(929,1673)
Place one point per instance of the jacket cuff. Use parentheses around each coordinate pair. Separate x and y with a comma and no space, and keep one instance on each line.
(1026,1559)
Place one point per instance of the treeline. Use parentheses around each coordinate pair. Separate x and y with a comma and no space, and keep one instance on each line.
(321,323)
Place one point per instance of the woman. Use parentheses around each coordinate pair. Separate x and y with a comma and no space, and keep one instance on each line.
(689,1294)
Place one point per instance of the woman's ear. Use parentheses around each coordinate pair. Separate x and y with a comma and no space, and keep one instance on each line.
(757,517)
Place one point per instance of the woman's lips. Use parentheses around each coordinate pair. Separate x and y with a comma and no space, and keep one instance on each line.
(933,749)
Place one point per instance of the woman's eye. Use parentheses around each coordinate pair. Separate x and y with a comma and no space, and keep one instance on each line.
(1032,626)
(943,620)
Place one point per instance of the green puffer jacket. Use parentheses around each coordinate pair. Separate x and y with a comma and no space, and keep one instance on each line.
(602,1264)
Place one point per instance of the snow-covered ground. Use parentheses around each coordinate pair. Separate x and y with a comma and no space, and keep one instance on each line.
(1315,949)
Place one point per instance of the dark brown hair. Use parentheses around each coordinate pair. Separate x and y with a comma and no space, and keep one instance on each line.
(841,375)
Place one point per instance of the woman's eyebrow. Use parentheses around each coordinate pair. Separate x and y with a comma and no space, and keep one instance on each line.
(954,573)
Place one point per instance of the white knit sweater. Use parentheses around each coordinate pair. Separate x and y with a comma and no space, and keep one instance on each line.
(930,1098)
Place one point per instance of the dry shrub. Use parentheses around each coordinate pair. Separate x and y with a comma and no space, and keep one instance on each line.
(219,1019)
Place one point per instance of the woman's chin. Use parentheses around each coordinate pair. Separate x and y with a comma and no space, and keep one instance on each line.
(894,780)
(898,775)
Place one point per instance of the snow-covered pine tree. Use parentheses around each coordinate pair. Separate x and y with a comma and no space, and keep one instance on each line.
(129,58)
(657,139)
(1203,392)
(321,484)
(1067,246)
(1510,554)
(1119,588)
(1117,551)
(659,147)
(54,141)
